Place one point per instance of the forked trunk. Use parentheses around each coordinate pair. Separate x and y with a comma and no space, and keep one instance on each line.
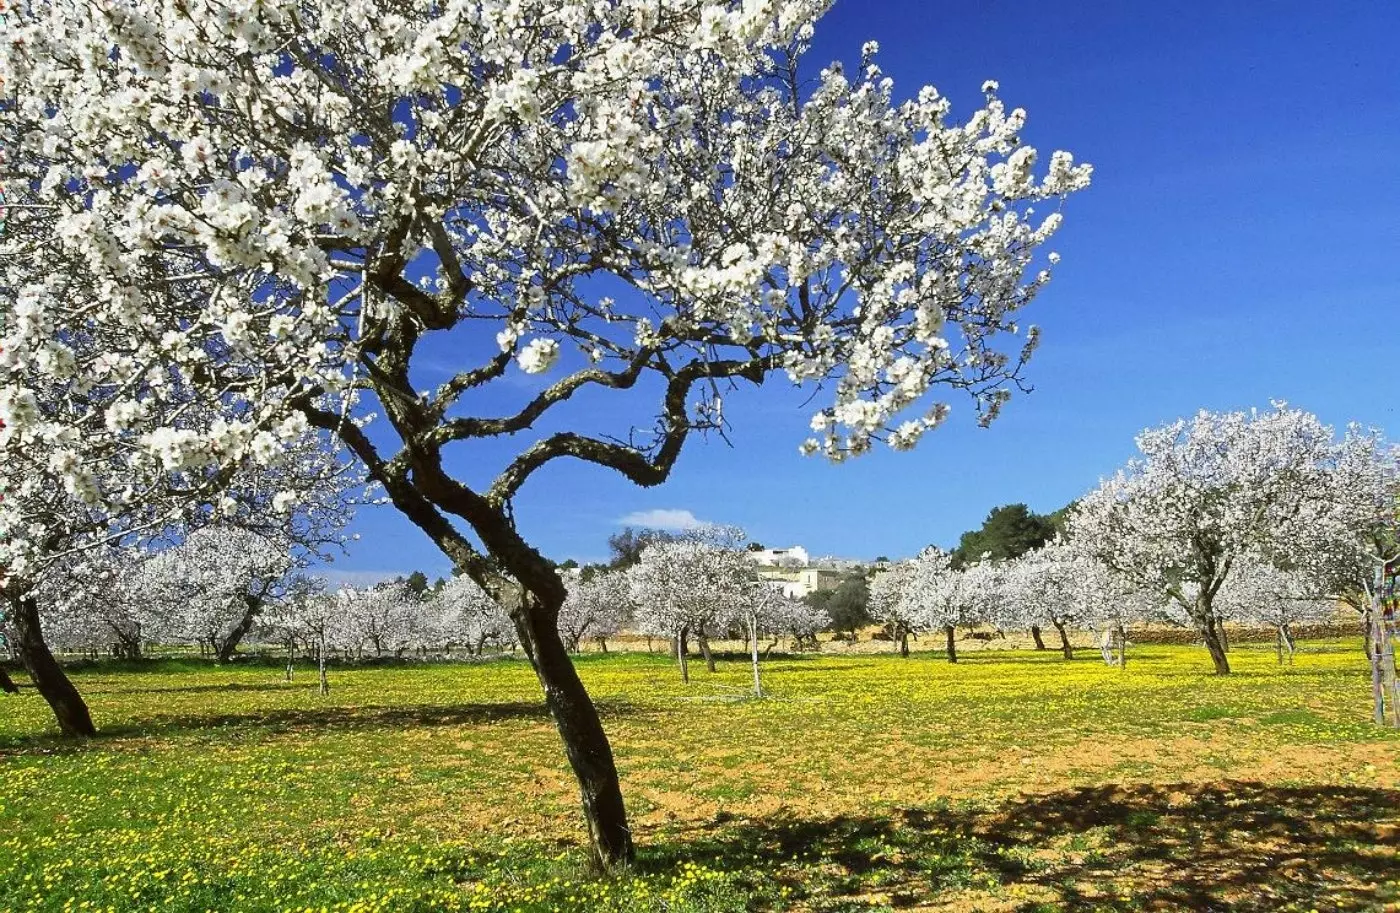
(49,678)
(1035,635)
(1065,646)
(585,743)
(952,644)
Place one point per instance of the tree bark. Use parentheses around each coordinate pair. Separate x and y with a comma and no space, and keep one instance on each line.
(753,641)
(705,650)
(682,648)
(585,743)
(7,684)
(1211,634)
(225,651)
(952,644)
(903,638)
(1035,635)
(323,682)
(1065,646)
(49,678)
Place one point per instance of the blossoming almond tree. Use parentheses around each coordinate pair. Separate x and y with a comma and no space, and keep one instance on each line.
(1203,495)
(890,608)
(692,585)
(210,588)
(941,598)
(1039,587)
(596,608)
(270,202)
(465,615)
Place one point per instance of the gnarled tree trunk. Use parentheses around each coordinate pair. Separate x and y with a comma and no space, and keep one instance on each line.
(49,678)
(224,651)
(585,743)
(705,650)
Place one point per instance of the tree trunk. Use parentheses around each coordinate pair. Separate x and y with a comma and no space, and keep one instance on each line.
(952,645)
(225,650)
(1211,629)
(7,684)
(1224,635)
(753,640)
(1210,632)
(49,678)
(323,682)
(602,644)
(903,638)
(1065,646)
(1035,635)
(704,642)
(585,743)
(682,648)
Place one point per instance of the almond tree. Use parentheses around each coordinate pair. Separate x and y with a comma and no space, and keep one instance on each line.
(210,588)
(465,615)
(1039,587)
(652,198)
(1204,494)
(595,608)
(387,618)
(693,585)
(889,607)
(1259,592)
(941,598)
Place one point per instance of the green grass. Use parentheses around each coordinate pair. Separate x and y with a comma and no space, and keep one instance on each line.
(1011,781)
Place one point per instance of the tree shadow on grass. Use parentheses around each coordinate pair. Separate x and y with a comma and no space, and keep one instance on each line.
(310,720)
(279,685)
(1237,846)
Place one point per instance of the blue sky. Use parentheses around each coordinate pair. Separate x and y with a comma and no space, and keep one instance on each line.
(1241,243)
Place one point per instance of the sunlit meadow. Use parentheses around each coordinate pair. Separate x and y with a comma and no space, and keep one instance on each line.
(1012,781)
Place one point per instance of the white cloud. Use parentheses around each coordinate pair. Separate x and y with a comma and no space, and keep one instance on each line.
(358,579)
(665,518)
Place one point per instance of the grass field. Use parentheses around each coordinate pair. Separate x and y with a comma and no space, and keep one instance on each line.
(1012,781)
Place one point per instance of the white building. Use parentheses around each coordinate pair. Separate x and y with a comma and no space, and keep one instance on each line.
(797,582)
(781,557)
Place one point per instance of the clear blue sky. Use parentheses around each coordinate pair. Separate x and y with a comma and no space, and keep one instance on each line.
(1241,243)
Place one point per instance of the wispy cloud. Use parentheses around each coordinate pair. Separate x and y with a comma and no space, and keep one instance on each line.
(358,579)
(664,518)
